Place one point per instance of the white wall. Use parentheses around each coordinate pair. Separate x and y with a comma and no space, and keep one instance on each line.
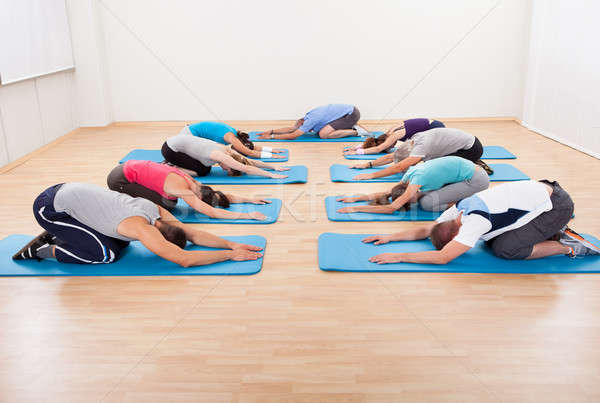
(563,77)
(38,111)
(273,60)
(33,113)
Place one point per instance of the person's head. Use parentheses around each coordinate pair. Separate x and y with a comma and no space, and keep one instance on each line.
(171,233)
(396,192)
(374,141)
(242,160)
(299,123)
(444,232)
(208,195)
(245,139)
(403,150)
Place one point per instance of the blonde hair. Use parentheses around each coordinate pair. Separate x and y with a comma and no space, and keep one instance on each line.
(403,149)
(239,158)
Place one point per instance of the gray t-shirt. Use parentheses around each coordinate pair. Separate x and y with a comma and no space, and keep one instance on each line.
(102,209)
(440,142)
(198,148)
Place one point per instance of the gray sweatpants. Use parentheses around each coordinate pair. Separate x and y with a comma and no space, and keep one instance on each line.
(438,200)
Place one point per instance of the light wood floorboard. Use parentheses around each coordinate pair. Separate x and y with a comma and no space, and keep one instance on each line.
(293,332)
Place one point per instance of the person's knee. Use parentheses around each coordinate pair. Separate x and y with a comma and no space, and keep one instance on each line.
(426,203)
(511,250)
(430,202)
(326,131)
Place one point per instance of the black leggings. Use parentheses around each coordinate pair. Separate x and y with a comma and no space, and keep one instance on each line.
(117,181)
(472,154)
(183,160)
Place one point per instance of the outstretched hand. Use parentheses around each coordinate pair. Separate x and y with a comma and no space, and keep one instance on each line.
(256,215)
(240,255)
(378,239)
(347,199)
(363,165)
(261,201)
(280,169)
(347,210)
(238,246)
(386,258)
(363,177)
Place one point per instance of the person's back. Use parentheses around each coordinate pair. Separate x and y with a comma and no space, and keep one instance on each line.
(102,209)
(198,148)
(499,209)
(214,131)
(434,174)
(439,142)
(318,117)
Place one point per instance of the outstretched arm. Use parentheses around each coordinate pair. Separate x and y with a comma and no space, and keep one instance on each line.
(386,159)
(240,199)
(249,169)
(138,228)
(366,197)
(200,206)
(281,130)
(397,168)
(451,251)
(412,234)
(286,133)
(410,191)
(203,238)
(240,147)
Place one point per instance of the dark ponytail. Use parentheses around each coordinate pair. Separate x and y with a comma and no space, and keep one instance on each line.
(213,198)
(396,192)
(245,139)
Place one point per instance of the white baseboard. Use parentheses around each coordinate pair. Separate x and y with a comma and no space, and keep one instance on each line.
(561,140)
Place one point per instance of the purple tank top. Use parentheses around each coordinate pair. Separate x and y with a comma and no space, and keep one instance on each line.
(413,126)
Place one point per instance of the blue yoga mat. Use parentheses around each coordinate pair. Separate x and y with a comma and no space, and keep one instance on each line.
(497,153)
(343,173)
(184,213)
(507,173)
(314,137)
(489,153)
(347,252)
(414,214)
(296,174)
(156,156)
(135,260)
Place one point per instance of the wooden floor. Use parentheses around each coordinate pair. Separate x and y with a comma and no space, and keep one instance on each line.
(293,332)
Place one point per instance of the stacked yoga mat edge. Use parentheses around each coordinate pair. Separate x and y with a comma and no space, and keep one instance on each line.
(347,252)
(135,260)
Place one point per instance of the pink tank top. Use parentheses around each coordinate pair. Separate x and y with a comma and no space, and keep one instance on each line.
(151,175)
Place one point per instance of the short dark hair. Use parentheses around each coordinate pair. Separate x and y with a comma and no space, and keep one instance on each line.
(442,233)
(173,234)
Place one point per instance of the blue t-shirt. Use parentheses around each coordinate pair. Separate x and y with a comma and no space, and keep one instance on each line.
(435,174)
(319,117)
(214,131)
